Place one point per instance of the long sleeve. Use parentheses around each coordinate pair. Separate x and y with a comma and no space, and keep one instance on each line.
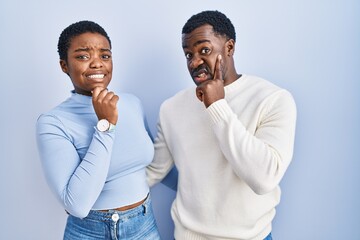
(76,182)
(261,157)
(163,161)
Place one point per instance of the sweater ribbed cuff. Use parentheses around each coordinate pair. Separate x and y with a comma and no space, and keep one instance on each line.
(219,111)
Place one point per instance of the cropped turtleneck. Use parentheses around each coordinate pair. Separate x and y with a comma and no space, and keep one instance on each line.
(88,169)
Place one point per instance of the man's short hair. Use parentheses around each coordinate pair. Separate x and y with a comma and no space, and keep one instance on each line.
(220,23)
(77,29)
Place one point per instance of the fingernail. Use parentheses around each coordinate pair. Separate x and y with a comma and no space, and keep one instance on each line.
(220,57)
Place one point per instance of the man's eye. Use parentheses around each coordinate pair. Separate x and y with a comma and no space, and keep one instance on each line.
(188,55)
(205,51)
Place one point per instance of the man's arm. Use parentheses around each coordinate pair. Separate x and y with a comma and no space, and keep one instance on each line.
(163,161)
(262,158)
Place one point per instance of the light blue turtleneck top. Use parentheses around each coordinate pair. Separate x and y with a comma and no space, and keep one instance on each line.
(88,169)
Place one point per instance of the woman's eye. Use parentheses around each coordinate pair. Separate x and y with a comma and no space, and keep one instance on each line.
(82,57)
(106,56)
(188,55)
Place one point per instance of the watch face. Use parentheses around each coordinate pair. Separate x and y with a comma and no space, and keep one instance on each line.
(103,125)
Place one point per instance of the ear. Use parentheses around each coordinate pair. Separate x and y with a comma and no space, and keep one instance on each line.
(230,47)
(63,66)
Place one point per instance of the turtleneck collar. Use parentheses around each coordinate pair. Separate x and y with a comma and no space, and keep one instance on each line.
(81,98)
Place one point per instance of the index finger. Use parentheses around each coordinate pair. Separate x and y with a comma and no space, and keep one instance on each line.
(218,70)
(96,91)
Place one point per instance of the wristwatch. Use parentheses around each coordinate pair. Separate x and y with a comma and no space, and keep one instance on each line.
(104,125)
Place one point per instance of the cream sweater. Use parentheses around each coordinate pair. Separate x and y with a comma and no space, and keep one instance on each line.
(230,158)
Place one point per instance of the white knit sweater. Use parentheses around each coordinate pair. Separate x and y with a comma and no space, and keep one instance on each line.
(230,158)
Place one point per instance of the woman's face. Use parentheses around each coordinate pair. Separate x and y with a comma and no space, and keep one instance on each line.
(89,62)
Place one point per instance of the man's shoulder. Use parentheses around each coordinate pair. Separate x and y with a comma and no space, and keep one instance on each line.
(180,103)
(181,96)
(261,87)
(259,82)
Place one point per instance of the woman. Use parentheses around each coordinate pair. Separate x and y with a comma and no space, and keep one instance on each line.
(94,146)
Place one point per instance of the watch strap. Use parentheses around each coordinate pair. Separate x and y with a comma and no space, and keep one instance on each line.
(111,127)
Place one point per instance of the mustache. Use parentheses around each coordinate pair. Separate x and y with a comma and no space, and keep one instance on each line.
(200,69)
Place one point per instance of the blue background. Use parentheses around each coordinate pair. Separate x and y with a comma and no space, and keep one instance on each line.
(311,48)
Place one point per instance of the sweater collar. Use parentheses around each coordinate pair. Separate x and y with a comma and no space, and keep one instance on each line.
(235,85)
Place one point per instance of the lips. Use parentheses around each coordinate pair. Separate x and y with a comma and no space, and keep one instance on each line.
(200,75)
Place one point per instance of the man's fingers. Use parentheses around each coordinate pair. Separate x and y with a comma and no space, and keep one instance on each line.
(200,94)
(218,70)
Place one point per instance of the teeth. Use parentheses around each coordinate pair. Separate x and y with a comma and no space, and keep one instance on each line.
(201,75)
(96,76)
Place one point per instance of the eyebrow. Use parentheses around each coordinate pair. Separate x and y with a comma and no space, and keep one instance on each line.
(87,49)
(197,43)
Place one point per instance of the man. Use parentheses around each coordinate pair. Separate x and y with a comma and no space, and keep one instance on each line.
(231,140)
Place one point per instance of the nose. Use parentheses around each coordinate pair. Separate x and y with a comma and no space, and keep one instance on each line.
(96,62)
(195,61)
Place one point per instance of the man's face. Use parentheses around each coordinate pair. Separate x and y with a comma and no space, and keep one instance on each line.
(89,62)
(201,48)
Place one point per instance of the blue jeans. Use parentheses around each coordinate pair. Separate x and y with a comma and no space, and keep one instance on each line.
(134,224)
(269,237)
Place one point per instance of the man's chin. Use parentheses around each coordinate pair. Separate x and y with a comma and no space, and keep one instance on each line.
(197,83)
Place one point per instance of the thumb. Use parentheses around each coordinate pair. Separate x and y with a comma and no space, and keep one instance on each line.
(95,92)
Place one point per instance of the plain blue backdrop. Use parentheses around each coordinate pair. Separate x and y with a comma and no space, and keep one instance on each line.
(311,48)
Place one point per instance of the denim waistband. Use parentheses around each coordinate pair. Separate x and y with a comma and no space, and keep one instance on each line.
(115,215)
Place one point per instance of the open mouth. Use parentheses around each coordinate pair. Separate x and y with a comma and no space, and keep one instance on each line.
(200,75)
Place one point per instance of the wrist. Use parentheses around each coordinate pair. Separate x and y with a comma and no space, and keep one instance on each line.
(104,125)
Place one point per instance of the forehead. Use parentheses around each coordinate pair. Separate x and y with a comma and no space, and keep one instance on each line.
(90,40)
(203,33)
